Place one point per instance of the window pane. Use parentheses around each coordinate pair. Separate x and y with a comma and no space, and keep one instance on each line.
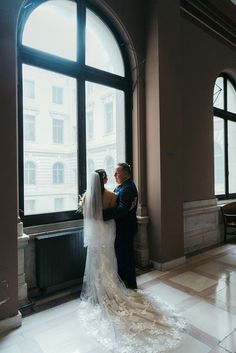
(219,160)
(55,142)
(102,144)
(232,156)
(218,96)
(51,28)
(231,97)
(102,51)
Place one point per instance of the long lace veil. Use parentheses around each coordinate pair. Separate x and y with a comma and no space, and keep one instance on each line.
(92,208)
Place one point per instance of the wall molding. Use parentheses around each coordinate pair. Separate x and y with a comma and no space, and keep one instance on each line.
(201,224)
(10,323)
(164,266)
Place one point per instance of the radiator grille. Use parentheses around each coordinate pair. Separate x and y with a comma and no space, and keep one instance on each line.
(60,260)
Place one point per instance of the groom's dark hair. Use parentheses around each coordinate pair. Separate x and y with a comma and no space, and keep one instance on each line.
(125,167)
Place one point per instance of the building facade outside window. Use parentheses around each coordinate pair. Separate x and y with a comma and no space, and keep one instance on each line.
(58,173)
(58,204)
(29,89)
(30,207)
(30,173)
(90,124)
(29,128)
(57,130)
(57,95)
(224,101)
(79,89)
(108,115)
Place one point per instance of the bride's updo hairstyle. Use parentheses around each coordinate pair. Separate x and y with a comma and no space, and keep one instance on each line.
(102,175)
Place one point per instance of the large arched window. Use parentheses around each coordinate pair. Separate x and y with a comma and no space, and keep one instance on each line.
(225,137)
(71,62)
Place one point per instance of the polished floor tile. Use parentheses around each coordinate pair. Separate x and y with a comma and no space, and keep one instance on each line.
(149,276)
(229,343)
(216,269)
(215,322)
(203,290)
(229,259)
(194,281)
(168,294)
(227,295)
(191,345)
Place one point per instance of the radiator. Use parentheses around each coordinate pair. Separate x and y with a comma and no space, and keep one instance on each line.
(60,260)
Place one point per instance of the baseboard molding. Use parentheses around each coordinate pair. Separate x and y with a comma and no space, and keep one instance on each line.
(164,266)
(10,323)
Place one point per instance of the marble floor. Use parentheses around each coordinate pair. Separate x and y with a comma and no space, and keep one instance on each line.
(203,290)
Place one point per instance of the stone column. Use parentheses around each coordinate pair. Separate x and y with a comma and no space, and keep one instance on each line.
(22,243)
(141,243)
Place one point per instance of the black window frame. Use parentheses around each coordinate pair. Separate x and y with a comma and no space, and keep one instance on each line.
(226,116)
(82,73)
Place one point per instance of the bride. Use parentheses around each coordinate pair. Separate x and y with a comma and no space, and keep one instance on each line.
(121,320)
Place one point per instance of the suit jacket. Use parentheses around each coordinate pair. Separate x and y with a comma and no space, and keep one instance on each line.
(125,218)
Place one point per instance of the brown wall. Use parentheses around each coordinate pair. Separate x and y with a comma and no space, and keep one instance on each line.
(8,157)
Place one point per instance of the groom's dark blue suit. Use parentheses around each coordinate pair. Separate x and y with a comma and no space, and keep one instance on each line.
(126,228)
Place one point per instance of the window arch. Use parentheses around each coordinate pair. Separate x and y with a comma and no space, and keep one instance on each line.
(224,100)
(69,79)
(30,173)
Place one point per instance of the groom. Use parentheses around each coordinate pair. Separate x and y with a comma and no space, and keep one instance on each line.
(126,223)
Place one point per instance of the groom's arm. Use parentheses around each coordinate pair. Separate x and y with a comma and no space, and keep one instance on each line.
(126,203)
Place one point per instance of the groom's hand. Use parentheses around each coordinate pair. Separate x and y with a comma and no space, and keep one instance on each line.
(134,203)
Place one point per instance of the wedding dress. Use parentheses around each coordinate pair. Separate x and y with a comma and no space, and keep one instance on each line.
(121,320)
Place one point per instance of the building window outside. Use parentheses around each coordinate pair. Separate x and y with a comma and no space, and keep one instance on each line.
(58,173)
(69,89)
(224,101)
(57,130)
(30,173)
(29,89)
(29,128)
(108,117)
(57,95)
(58,204)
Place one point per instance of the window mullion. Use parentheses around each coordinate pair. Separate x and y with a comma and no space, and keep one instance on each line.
(81,20)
